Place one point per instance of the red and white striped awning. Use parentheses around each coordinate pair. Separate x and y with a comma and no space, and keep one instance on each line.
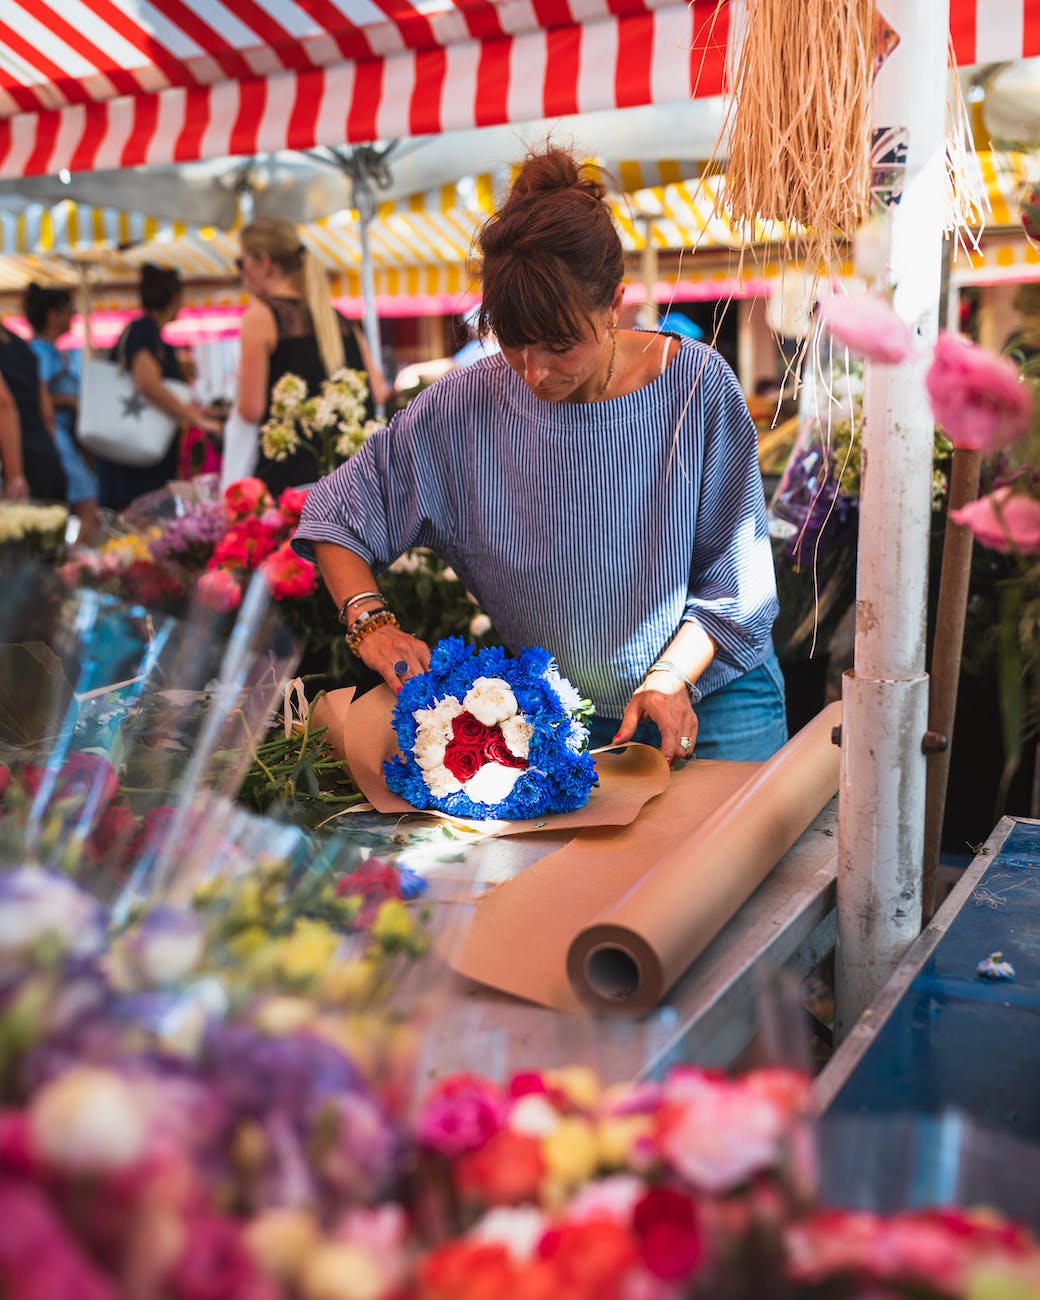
(92,84)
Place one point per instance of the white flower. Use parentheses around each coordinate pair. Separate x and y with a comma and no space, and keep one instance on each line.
(517,733)
(490,700)
(492,783)
(518,1228)
(429,752)
(17,520)
(534,1115)
(165,945)
(410,562)
(37,904)
(89,1120)
(433,725)
(278,439)
(441,782)
(479,624)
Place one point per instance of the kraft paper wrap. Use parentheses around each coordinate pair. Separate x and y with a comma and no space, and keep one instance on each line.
(611,920)
(361,732)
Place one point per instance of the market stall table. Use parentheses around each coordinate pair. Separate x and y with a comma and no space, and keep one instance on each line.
(710,1016)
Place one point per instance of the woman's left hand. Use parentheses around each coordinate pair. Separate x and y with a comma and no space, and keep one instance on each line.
(667,702)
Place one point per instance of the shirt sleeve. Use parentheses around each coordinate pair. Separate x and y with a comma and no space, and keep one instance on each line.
(48,362)
(732,590)
(376,504)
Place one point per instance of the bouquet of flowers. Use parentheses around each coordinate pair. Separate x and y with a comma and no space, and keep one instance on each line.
(27,528)
(486,736)
(331,426)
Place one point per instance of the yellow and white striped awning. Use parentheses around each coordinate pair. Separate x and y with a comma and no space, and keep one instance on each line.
(421,244)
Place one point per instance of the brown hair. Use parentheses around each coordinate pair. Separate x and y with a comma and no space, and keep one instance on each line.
(552,258)
(158,286)
(280,240)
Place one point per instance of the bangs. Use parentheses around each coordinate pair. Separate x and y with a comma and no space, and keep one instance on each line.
(526,302)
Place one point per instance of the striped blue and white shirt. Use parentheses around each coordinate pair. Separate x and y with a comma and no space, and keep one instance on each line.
(592,529)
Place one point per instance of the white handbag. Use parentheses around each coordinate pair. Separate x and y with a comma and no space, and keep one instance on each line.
(116,421)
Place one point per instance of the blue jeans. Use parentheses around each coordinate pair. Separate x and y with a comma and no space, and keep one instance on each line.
(742,720)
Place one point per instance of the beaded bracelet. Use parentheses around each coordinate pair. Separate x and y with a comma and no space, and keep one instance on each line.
(666,665)
(356,600)
(368,623)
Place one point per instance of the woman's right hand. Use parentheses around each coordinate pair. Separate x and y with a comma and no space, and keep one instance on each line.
(388,648)
(203,420)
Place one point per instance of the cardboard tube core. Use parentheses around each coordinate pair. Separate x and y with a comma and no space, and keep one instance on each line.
(612,973)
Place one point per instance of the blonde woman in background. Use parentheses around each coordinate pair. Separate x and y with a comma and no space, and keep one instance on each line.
(290,327)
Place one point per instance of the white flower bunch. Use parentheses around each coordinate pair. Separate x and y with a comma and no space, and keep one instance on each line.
(334,419)
(19,520)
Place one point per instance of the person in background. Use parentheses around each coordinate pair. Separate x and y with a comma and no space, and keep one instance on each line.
(25,406)
(290,327)
(49,313)
(596,488)
(151,361)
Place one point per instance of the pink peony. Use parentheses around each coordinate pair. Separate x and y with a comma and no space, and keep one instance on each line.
(1003,521)
(244,545)
(977,397)
(288,575)
(246,496)
(868,326)
(219,590)
(291,503)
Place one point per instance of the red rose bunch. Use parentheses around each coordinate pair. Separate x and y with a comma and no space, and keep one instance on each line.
(474,743)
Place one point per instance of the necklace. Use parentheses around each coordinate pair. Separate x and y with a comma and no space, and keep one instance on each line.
(610,369)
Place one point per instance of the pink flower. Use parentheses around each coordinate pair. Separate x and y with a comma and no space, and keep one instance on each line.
(288,575)
(39,1259)
(219,590)
(868,326)
(215,1263)
(977,397)
(291,503)
(246,496)
(717,1134)
(244,545)
(1003,521)
(461,1115)
(668,1230)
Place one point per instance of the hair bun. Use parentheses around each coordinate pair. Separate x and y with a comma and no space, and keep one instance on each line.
(556,169)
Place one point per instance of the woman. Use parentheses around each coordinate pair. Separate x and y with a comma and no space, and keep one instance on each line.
(49,313)
(290,327)
(26,419)
(597,489)
(151,361)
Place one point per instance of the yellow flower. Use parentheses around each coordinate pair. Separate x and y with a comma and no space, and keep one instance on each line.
(341,1271)
(617,1135)
(307,952)
(571,1152)
(284,1015)
(351,981)
(280,1240)
(393,925)
(249,942)
(578,1082)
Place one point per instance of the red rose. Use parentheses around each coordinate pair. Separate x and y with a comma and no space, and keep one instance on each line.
(667,1228)
(505,1171)
(466,729)
(246,496)
(589,1257)
(463,761)
(497,751)
(112,835)
(288,575)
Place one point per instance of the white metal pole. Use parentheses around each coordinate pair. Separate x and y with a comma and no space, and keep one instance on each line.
(882,792)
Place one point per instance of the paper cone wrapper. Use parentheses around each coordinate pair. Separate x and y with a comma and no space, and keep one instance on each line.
(612,920)
(365,738)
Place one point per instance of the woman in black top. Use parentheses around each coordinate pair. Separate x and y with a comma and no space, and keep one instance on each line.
(290,328)
(25,398)
(150,360)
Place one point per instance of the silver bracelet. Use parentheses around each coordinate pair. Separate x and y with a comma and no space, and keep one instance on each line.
(354,600)
(666,666)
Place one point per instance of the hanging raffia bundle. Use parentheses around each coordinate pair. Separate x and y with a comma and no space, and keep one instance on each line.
(799,131)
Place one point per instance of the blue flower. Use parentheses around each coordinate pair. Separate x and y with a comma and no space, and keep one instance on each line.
(560,774)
